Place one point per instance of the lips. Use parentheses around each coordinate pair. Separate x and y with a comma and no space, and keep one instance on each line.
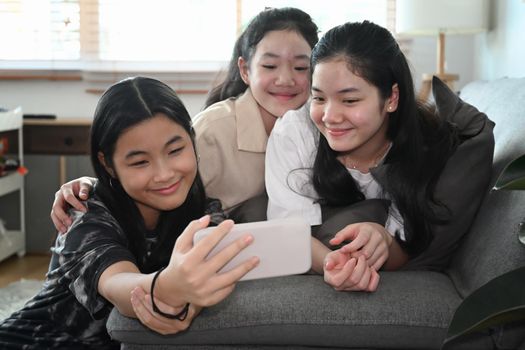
(338,132)
(168,190)
(283,96)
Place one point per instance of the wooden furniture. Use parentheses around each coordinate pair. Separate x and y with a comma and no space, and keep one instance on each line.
(446,17)
(426,84)
(12,240)
(62,137)
(449,79)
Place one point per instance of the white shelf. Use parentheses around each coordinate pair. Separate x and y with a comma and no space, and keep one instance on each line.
(10,183)
(12,242)
(11,120)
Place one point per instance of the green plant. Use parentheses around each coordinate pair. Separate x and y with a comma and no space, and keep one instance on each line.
(496,309)
(513,176)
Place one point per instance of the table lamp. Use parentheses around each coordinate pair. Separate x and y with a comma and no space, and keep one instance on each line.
(431,17)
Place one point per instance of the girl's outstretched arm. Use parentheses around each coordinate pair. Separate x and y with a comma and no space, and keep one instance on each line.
(188,278)
(117,282)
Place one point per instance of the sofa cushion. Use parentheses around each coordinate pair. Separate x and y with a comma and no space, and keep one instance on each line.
(411,309)
(491,248)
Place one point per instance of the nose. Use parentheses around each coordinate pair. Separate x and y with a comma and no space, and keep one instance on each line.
(331,113)
(163,172)
(285,77)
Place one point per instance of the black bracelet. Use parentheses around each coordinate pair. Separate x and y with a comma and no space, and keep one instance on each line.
(181,316)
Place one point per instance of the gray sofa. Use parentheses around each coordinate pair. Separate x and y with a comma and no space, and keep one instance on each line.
(410,309)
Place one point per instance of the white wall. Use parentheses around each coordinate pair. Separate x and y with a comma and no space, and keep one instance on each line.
(65,99)
(459,53)
(497,53)
(501,51)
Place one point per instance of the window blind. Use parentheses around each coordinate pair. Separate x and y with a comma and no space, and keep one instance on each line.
(40,30)
(152,35)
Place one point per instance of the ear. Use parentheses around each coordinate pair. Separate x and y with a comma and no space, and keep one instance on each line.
(393,101)
(102,161)
(243,70)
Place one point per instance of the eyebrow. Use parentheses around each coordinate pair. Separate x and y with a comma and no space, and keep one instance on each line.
(342,91)
(171,141)
(273,55)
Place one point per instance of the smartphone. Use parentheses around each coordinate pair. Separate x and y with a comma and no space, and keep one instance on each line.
(283,247)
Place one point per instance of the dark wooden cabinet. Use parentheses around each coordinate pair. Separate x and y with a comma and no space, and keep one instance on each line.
(55,152)
(61,137)
(57,137)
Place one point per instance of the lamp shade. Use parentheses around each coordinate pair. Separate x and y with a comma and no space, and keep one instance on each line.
(431,17)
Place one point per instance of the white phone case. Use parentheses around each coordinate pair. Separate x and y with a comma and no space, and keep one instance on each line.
(283,247)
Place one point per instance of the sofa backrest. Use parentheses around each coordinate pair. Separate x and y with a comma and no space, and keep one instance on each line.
(503,100)
(491,247)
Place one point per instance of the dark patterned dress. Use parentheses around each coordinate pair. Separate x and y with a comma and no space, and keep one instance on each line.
(69,313)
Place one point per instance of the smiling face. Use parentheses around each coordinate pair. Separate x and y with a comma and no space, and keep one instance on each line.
(155,164)
(278,73)
(349,111)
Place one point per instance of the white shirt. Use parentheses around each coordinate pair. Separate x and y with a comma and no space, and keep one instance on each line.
(290,155)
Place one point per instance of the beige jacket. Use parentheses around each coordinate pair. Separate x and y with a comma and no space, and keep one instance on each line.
(231,143)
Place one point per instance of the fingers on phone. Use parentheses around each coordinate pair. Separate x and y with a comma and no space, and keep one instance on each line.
(224,282)
(238,272)
(185,241)
(229,252)
(209,242)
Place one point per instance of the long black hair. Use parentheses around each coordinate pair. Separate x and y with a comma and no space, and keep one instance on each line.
(286,18)
(122,106)
(422,141)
